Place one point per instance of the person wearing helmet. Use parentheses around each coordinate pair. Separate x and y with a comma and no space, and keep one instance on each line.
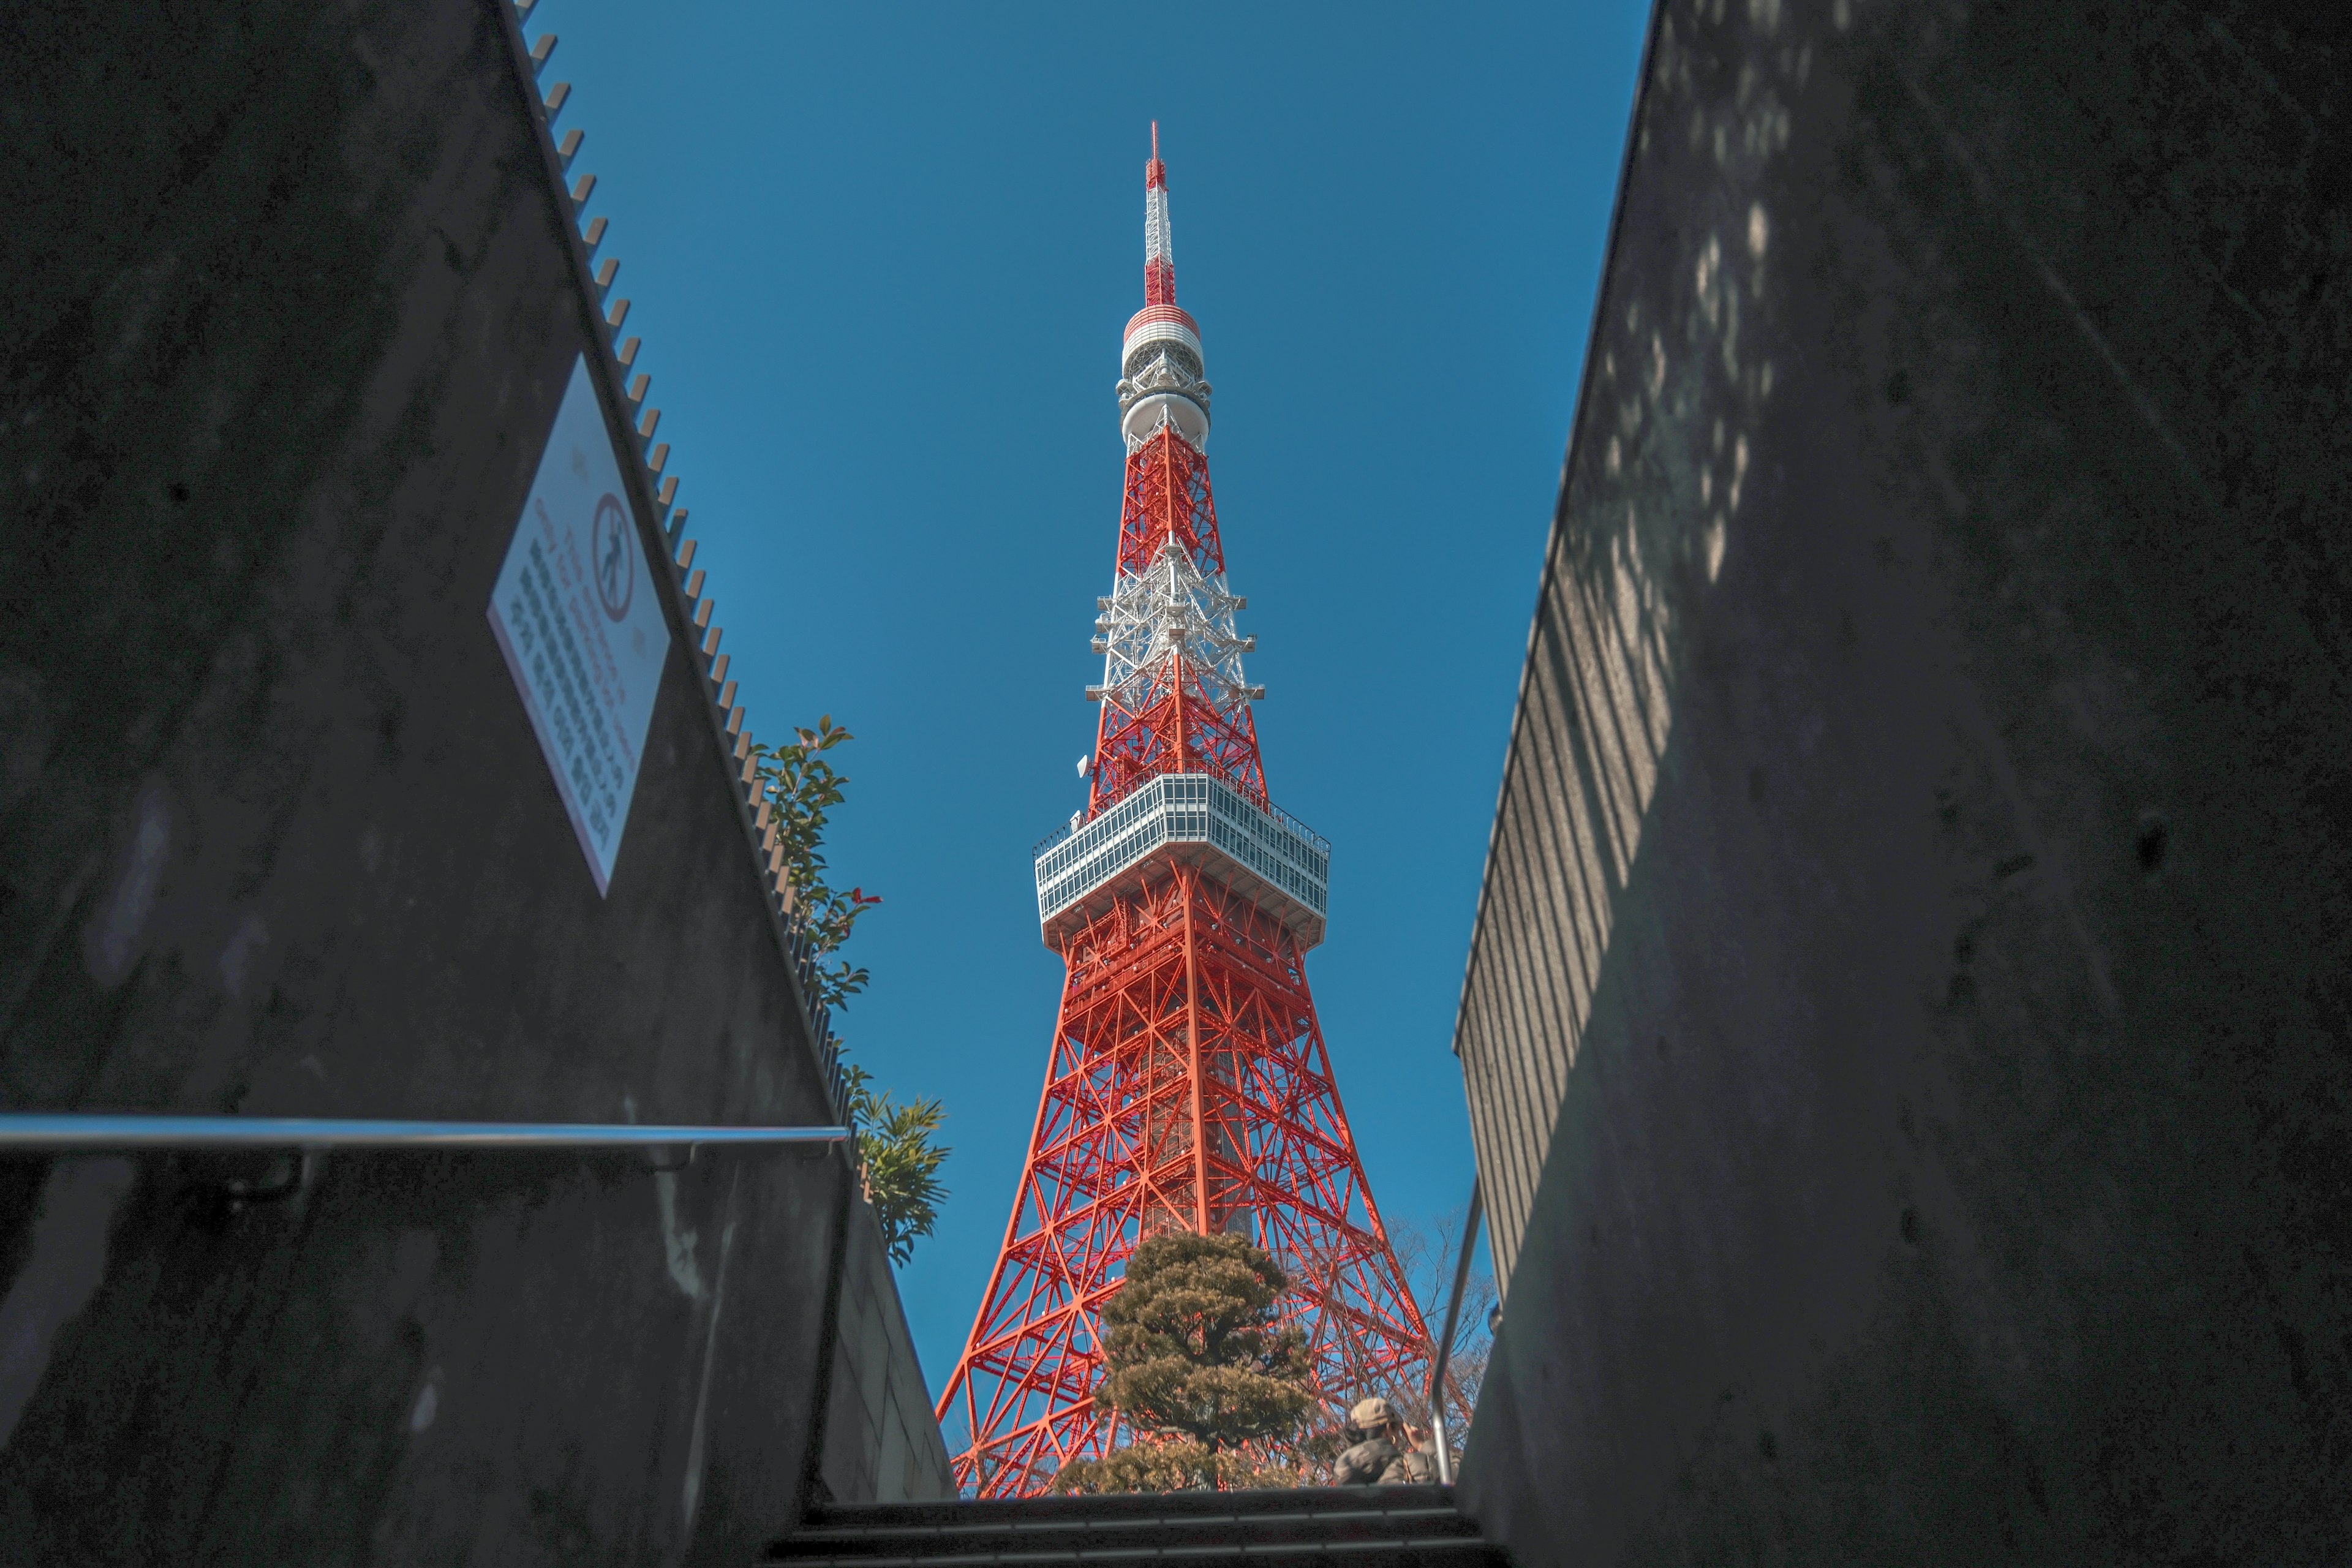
(1373,1432)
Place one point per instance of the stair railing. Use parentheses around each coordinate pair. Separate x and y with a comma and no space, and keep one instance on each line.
(1445,1340)
(27,1132)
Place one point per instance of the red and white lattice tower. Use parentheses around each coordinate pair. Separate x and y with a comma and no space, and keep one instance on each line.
(1188,1087)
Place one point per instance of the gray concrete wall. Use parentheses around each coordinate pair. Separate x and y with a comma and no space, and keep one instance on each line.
(882,1444)
(1906,1028)
(291,299)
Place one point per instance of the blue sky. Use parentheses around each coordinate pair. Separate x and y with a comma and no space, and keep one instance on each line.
(880,258)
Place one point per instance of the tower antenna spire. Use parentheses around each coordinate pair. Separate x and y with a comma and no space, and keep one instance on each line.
(1159,244)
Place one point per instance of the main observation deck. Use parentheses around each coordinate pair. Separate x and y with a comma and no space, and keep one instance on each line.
(1266,856)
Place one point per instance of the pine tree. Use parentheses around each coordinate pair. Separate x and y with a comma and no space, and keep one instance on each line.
(1214,1392)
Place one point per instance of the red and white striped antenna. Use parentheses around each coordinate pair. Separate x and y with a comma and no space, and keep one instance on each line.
(1159,244)
(1159,355)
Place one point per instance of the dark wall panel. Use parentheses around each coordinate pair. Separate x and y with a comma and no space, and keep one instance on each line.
(1908,1022)
(292,305)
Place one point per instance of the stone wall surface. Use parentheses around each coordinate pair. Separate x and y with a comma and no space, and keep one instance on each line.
(1906,1029)
(291,303)
(882,1444)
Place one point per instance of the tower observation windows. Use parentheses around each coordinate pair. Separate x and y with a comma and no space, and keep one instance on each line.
(1267,857)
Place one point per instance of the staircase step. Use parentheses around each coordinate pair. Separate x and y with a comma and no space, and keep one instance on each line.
(1146,1505)
(1389,1526)
(847,1538)
(1464,1554)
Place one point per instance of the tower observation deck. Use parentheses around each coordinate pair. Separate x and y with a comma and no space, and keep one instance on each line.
(1187,1085)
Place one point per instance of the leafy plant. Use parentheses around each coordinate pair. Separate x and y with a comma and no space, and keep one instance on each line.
(898,1158)
(898,1163)
(1213,1388)
(801,788)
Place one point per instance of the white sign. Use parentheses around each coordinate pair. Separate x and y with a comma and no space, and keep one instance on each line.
(579,618)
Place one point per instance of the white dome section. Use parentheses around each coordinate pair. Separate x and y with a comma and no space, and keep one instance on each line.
(1144,417)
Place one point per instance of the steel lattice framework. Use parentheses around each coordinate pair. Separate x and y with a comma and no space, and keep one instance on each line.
(1188,1086)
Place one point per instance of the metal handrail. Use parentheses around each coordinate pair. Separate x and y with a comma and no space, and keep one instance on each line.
(1445,1340)
(1300,828)
(103,1131)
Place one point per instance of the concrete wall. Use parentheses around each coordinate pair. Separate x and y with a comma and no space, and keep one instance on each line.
(292,296)
(1906,1025)
(882,1444)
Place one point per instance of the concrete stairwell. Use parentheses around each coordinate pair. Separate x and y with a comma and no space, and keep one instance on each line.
(1373,1527)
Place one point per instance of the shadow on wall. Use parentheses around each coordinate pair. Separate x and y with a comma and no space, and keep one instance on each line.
(1672,396)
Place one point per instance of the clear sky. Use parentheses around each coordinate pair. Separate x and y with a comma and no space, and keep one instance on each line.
(880,257)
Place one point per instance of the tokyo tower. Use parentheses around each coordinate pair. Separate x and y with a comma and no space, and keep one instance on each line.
(1188,1086)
